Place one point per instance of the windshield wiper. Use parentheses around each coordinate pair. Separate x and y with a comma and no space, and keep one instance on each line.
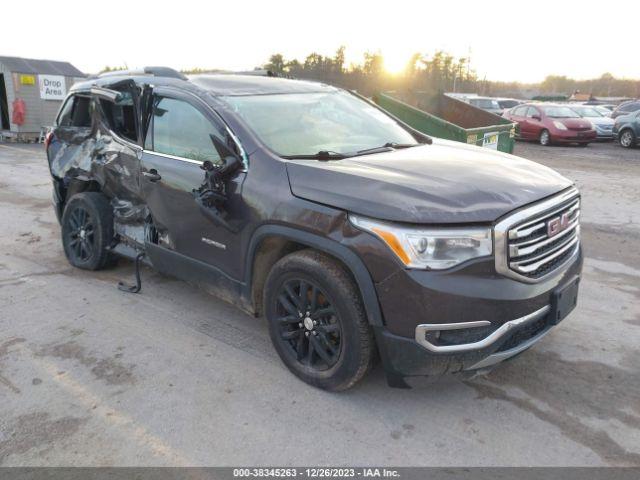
(387,147)
(331,155)
(321,155)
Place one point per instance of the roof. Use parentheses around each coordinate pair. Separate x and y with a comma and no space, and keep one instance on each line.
(44,67)
(236,85)
(216,84)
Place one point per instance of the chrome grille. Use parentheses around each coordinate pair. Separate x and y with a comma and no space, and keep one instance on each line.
(536,241)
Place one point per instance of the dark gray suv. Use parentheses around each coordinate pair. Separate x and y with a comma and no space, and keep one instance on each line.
(354,235)
(626,108)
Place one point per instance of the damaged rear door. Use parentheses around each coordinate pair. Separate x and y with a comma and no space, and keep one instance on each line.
(117,152)
(180,144)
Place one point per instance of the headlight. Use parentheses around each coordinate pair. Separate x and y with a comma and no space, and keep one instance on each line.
(430,248)
(559,125)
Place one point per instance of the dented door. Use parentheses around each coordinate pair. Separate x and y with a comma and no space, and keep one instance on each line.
(177,144)
(117,150)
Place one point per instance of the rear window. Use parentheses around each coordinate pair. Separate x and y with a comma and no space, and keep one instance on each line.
(520,111)
(76,112)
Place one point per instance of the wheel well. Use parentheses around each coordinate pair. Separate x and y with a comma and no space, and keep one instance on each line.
(268,252)
(76,186)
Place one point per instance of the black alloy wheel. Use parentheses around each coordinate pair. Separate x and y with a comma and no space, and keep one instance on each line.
(309,326)
(87,230)
(317,321)
(81,235)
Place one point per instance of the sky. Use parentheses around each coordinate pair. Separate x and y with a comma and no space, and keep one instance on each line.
(506,40)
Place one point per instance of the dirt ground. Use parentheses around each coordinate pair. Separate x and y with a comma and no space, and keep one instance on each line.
(92,376)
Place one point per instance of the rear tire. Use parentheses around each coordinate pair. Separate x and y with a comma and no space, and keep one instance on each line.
(317,321)
(627,138)
(87,230)
(545,138)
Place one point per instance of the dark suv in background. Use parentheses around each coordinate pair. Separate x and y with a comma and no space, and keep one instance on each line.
(626,108)
(626,129)
(352,233)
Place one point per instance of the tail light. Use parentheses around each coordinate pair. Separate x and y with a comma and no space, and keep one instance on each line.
(47,140)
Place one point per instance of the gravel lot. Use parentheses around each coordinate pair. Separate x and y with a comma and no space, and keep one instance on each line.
(93,376)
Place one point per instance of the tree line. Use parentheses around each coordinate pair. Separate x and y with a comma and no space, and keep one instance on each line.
(438,72)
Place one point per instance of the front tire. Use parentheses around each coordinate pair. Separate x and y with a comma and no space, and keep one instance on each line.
(545,138)
(87,230)
(627,138)
(317,322)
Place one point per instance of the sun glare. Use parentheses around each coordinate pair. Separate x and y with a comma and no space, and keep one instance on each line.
(395,64)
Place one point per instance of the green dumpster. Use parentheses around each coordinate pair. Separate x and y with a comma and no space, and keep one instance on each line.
(449,118)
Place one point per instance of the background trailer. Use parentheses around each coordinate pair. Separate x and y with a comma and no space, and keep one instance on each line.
(31,92)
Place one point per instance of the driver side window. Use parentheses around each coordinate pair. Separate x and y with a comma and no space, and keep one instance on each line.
(532,111)
(179,129)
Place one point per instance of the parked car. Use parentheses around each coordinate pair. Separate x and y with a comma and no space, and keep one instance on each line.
(487,104)
(551,123)
(627,129)
(603,125)
(625,108)
(309,205)
(508,103)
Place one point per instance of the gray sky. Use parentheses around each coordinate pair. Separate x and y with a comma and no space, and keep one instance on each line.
(509,40)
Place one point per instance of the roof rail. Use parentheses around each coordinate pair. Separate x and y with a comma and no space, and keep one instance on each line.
(263,72)
(155,71)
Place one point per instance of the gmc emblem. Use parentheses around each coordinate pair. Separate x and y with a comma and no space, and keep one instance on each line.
(557,224)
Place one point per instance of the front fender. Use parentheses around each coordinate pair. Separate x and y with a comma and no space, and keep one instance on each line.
(323,244)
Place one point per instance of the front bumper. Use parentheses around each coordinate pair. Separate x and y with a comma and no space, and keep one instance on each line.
(423,330)
(605,135)
(572,136)
(480,322)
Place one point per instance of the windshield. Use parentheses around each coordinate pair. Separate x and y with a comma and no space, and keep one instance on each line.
(559,112)
(307,123)
(588,112)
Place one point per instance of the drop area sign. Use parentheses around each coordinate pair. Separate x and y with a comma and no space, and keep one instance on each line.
(52,87)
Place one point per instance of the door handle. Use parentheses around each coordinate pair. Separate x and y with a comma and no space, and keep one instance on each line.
(152,175)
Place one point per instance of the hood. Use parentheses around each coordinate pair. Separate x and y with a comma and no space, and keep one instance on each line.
(443,183)
(627,117)
(573,123)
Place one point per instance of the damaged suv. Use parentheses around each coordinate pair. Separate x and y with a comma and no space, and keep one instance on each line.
(353,234)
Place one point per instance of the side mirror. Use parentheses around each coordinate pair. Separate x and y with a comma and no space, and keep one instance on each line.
(231,160)
(536,117)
